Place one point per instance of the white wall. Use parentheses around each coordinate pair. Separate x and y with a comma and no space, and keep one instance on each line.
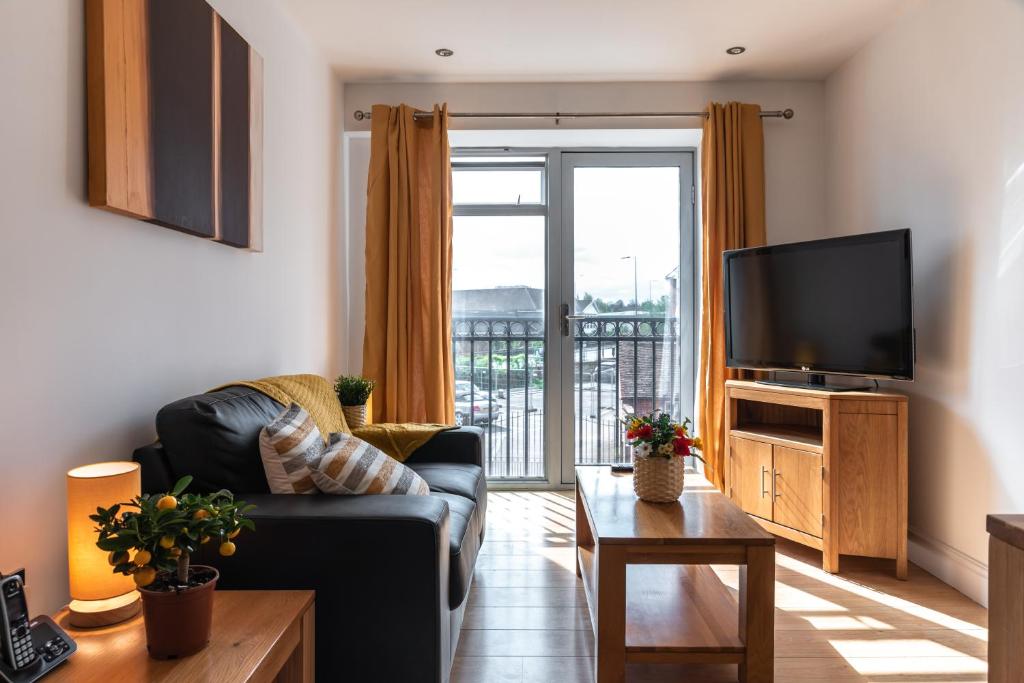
(104,318)
(925,131)
(794,149)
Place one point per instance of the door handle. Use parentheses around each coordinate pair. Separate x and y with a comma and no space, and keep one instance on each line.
(775,484)
(566,317)
(764,491)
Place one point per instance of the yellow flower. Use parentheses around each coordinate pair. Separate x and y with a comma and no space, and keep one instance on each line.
(697,443)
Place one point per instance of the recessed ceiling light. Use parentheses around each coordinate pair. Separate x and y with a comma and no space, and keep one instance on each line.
(444,52)
(737,50)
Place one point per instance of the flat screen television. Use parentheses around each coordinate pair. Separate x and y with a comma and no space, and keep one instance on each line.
(831,306)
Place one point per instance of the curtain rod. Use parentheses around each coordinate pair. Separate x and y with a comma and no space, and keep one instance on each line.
(777,114)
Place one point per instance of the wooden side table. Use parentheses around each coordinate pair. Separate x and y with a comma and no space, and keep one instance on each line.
(257,636)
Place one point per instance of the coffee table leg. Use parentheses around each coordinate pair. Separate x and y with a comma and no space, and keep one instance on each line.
(610,665)
(757,615)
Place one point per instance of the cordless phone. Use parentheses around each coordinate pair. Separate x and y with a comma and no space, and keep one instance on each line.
(30,648)
(18,650)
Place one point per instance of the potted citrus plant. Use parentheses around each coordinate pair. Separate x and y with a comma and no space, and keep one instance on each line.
(659,446)
(353,393)
(152,538)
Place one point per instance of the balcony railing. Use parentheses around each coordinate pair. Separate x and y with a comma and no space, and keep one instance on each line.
(622,364)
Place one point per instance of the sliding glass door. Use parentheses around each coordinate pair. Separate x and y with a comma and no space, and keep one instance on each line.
(572,302)
(627,335)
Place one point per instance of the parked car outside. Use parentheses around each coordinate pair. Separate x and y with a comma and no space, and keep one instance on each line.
(464,386)
(481,410)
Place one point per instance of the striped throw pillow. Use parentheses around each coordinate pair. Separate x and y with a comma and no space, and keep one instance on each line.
(289,447)
(350,466)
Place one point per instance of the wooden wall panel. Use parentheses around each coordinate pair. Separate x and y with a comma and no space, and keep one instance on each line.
(118,107)
(181,77)
(234,138)
(175,106)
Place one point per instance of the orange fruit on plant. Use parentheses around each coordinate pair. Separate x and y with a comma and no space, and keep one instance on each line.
(167,542)
(117,557)
(227,549)
(167,503)
(174,553)
(235,532)
(200,514)
(204,539)
(142,558)
(144,576)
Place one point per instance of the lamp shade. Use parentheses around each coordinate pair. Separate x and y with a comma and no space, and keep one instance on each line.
(91,486)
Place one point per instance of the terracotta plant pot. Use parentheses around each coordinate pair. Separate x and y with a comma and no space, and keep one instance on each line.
(355,416)
(178,622)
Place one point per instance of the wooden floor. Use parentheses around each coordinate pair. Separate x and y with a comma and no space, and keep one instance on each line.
(527,617)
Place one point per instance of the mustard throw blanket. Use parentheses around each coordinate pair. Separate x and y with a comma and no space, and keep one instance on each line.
(399,440)
(316,395)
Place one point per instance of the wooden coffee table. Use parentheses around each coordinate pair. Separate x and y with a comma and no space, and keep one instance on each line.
(652,596)
(257,636)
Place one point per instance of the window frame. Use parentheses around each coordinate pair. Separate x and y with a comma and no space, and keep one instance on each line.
(528,209)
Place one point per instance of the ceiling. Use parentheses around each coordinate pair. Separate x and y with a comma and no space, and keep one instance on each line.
(591,40)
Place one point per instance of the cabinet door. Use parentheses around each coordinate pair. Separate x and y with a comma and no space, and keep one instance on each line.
(797,490)
(751,482)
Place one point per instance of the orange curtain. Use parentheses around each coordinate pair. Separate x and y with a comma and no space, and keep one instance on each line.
(732,203)
(407,346)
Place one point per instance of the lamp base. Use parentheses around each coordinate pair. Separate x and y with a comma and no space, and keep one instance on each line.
(96,613)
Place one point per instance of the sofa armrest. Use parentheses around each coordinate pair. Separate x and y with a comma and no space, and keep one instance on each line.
(156,471)
(462,445)
(379,566)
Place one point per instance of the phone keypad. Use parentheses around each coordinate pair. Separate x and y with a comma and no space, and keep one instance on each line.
(21,639)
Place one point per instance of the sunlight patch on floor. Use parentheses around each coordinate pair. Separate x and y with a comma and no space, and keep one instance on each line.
(846,623)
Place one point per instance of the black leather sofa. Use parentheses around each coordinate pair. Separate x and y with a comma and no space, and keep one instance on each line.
(391,573)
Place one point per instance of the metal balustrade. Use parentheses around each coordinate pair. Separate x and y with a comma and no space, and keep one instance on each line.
(622,364)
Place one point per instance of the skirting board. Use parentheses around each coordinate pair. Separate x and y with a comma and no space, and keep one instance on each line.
(959,570)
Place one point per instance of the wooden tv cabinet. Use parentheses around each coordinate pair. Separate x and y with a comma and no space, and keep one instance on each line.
(825,469)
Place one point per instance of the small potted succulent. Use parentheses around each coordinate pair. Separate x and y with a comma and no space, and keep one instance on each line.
(659,447)
(353,393)
(152,538)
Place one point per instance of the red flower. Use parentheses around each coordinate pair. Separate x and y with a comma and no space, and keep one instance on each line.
(681,446)
(630,434)
(680,431)
(645,432)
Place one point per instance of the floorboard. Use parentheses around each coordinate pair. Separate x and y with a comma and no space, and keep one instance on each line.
(527,619)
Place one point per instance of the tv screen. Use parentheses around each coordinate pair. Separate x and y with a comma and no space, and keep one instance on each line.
(841,305)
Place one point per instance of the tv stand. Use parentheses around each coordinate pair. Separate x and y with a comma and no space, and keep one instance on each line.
(824,469)
(814,381)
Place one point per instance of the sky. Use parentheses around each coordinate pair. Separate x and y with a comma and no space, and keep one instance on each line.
(619,214)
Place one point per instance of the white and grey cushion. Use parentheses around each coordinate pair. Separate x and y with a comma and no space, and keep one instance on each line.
(351,466)
(290,447)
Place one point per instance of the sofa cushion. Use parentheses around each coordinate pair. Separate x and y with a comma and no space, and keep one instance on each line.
(289,447)
(215,438)
(464,538)
(353,467)
(461,479)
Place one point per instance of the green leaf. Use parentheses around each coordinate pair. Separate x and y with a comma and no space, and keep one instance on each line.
(181,485)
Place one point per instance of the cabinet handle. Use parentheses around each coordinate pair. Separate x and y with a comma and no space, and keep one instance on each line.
(764,491)
(775,484)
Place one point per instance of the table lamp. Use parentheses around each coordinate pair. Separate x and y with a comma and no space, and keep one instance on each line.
(99,597)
